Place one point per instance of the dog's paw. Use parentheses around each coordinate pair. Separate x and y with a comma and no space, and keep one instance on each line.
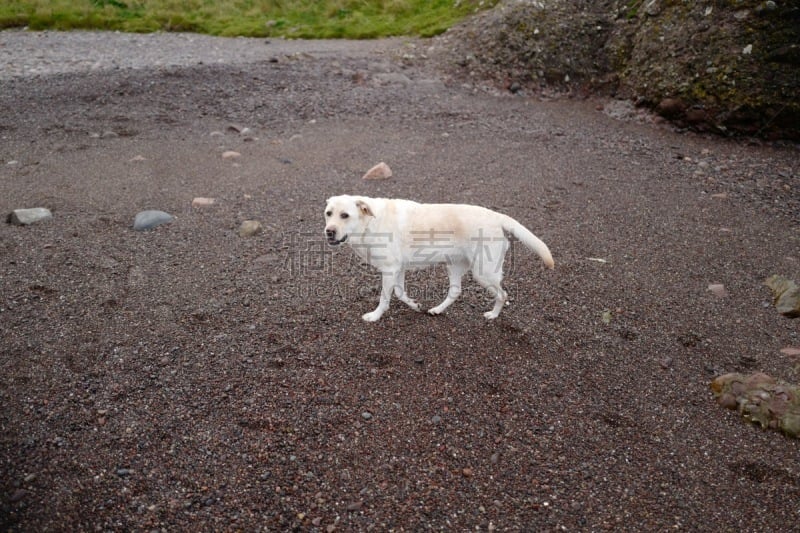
(434,311)
(490,315)
(371,317)
(415,306)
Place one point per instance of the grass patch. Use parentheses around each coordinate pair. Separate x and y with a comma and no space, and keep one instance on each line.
(310,19)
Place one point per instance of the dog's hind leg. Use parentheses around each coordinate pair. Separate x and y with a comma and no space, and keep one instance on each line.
(400,291)
(455,272)
(491,282)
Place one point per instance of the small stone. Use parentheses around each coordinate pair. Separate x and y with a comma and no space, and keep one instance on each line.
(250,228)
(720,195)
(145,220)
(790,351)
(230,154)
(18,495)
(666,363)
(203,202)
(24,217)
(124,472)
(137,158)
(366,415)
(436,419)
(718,290)
(670,108)
(466,472)
(381,171)
(355,506)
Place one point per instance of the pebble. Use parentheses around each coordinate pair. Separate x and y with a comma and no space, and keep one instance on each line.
(18,495)
(355,506)
(24,217)
(230,154)
(150,219)
(203,202)
(436,419)
(381,171)
(718,290)
(366,415)
(250,228)
(124,472)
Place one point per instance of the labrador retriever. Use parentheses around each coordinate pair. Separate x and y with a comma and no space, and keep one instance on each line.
(398,235)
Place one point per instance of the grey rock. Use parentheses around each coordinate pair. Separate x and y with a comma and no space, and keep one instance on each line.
(250,228)
(150,219)
(23,217)
(366,415)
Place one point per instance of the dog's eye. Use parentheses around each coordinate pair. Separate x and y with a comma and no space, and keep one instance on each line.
(344,215)
(328,213)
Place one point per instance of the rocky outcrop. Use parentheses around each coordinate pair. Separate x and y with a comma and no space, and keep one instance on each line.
(731,67)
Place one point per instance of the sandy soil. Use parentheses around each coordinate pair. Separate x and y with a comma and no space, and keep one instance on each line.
(186,378)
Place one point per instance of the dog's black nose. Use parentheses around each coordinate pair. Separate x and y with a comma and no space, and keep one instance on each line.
(330,233)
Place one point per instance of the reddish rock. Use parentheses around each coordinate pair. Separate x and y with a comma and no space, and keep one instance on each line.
(381,171)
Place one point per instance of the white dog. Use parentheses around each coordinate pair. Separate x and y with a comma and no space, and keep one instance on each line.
(399,235)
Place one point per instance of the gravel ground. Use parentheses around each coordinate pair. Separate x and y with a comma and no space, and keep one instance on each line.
(186,378)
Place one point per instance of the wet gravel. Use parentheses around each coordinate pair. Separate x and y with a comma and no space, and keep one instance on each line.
(187,378)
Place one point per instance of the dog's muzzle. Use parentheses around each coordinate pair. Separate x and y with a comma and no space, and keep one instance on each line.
(331,236)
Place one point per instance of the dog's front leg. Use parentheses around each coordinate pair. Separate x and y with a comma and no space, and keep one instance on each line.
(388,281)
(400,291)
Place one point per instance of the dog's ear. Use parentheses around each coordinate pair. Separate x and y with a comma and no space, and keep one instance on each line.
(364,208)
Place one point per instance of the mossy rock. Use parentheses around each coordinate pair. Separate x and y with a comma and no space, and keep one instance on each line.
(785,295)
(761,399)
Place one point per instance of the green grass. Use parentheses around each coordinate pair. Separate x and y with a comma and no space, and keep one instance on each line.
(352,19)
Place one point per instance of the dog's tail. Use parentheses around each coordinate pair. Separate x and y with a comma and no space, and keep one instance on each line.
(528,239)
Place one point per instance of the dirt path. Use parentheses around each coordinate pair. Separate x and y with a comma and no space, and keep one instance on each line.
(186,378)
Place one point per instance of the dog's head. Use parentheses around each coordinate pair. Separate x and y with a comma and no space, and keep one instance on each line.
(344,216)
